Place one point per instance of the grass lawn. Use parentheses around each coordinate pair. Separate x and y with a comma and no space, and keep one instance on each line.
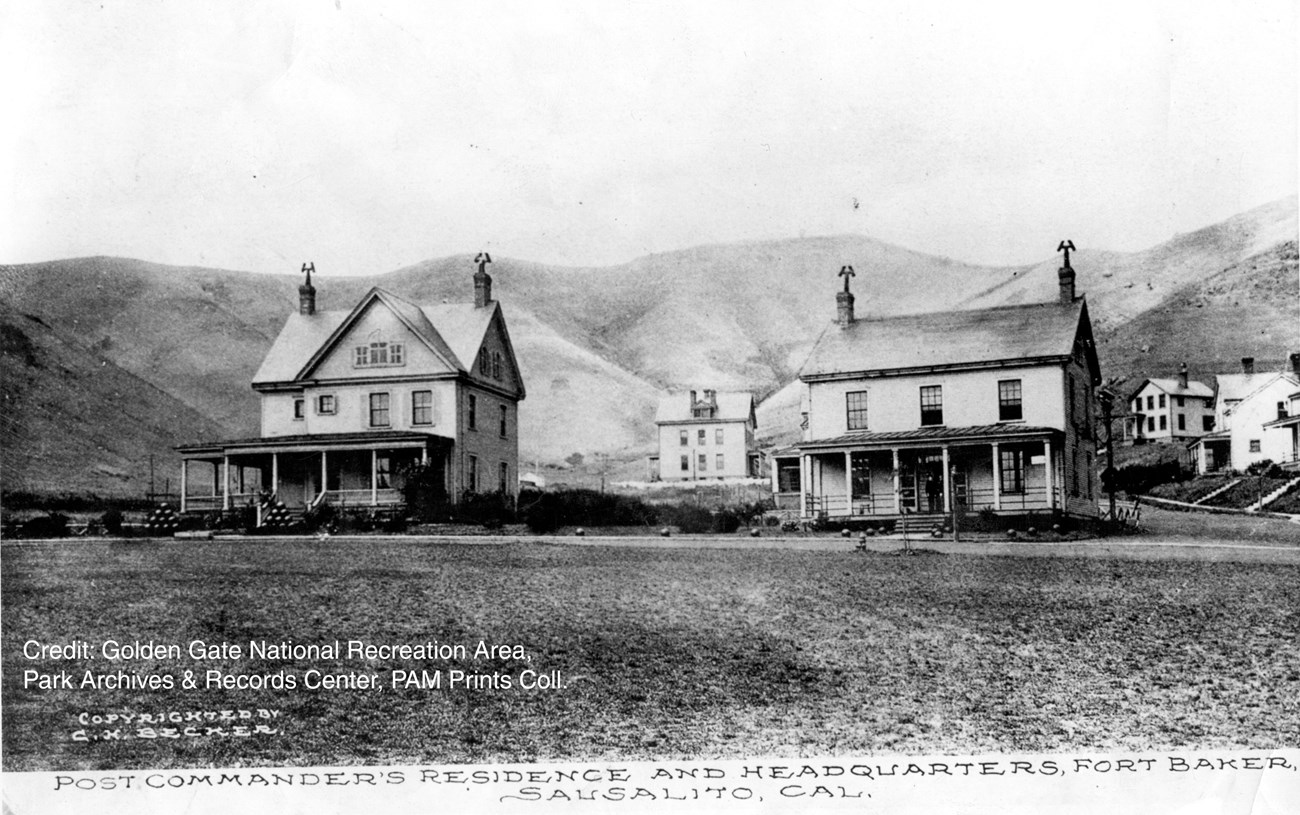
(666,653)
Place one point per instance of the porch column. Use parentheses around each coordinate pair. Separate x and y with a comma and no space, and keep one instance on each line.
(997,478)
(324,474)
(275,473)
(424,454)
(185,466)
(898,484)
(848,481)
(947,483)
(805,484)
(225,482)
(1047,473)
(374,477)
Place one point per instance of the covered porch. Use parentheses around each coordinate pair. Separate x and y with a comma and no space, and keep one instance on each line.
(343,469)
(931,472)
(1289,428)
(1212,452)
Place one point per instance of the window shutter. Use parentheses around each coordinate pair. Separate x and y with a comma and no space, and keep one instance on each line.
(365,411)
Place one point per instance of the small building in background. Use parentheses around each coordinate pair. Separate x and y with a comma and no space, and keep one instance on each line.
(706,434)
(1168,410)
(1251,408)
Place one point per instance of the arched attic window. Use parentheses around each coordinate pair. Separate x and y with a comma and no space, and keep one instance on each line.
(379,351)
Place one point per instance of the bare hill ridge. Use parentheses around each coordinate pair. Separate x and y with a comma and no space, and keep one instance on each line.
(598,345)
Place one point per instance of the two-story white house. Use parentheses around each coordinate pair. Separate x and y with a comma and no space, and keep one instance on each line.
(705,435)
(1167,410)
(989,408)
(1246,405)
(350,399)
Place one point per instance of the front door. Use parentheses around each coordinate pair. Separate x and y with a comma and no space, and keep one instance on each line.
(929,473)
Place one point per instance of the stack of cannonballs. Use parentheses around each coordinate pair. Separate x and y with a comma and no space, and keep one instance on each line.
(274,513)
(163,521)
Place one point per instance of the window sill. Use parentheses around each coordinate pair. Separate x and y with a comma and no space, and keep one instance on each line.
(1011,421)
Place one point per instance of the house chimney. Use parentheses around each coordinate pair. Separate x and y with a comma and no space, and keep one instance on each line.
(692,398)
(1248,365)
(711,397)
(307,292)
(1182,376)
(1065,275)
(1295,364)
(482,281)
(844,299)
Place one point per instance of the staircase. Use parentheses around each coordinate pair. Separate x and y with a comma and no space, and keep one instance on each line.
(1272,496)
(1222,489)
(917,524)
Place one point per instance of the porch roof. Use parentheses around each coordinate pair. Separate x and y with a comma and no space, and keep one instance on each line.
(1285,421)
(315,442)
(930,435)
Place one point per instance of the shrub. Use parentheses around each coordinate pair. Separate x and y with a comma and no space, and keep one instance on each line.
(53,525)
(1139,478)
(112,521)
(1266,468)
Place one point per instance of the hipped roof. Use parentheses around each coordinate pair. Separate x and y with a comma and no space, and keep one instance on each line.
(732,407)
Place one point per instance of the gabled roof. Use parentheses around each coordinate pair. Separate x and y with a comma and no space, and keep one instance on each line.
(453,332)
(1174,388)
(1239,386)
(950,339)
(1247,385)
(732,407)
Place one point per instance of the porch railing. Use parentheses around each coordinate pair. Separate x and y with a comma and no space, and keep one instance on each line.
(1030,498)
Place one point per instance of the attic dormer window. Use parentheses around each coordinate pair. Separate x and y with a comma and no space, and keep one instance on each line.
(704,412)
(380,352)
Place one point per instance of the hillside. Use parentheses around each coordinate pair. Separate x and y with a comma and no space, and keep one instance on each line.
(1251,308)
(598,345)
(73,422)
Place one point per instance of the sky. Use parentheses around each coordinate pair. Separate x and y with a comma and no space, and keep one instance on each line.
(370,136)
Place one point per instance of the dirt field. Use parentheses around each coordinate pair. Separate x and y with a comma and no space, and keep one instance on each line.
(663,652)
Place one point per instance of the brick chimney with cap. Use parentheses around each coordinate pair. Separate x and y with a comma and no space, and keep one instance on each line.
(1065,275)
(844,300)
(307,292)
(1248,365)
(1295,364)
(482,281)
(1182,376)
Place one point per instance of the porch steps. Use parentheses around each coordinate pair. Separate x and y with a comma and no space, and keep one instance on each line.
(917,524)
(1222,489)
(1273,496)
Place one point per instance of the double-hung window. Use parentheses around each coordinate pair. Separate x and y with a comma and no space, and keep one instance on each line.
(855,406)
(379,410)
(422,407)
(931,405)
(1010,404)
(1012,470)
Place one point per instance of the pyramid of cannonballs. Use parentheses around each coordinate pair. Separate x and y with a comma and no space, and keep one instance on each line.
(274,513)
(163,521)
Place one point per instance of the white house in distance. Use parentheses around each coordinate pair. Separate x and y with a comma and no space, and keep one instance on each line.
(989,408)
(1165,410)
(1283,433)
(350,398)
(705,435)
(1247,407)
